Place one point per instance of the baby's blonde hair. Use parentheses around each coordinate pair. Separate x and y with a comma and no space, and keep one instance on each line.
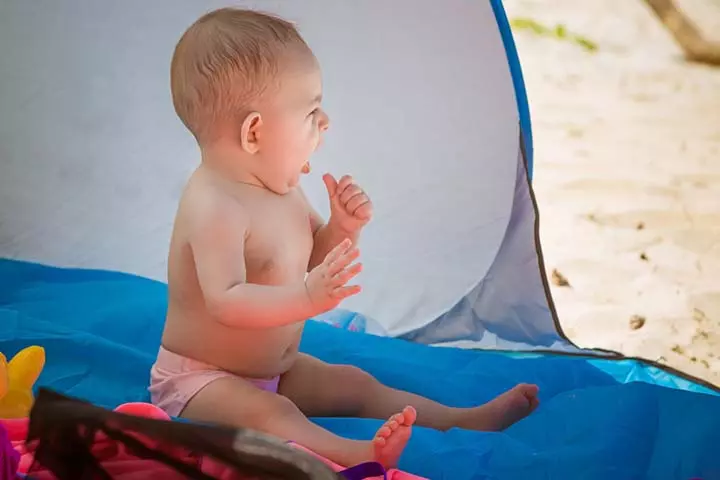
(223,62)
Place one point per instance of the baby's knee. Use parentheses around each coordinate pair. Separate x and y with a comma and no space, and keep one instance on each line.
(263,412)
(355,378)
(280,409)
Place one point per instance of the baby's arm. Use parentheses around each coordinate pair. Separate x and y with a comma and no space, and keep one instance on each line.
(326,237)
(350,210)
(217,242)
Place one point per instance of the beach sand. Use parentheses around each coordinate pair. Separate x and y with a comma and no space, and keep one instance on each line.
(627,178)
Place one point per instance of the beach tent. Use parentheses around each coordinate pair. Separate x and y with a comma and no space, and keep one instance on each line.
(429,114)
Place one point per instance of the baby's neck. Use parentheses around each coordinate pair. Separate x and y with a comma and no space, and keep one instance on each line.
(229,166)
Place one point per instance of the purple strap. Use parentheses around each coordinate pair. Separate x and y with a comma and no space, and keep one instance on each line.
(9,457)
(364,470)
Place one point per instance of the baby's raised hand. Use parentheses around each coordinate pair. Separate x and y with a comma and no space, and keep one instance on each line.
(326,284)
(350,207)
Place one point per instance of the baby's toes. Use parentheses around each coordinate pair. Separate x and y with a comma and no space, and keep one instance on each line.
(409,415)
(529,390)
(384,432)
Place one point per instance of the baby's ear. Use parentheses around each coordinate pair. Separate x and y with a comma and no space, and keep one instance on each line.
(249,133)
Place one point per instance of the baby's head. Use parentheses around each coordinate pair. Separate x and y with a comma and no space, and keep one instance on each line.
(249,89)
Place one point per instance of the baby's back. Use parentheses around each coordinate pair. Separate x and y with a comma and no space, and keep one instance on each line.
(277,250)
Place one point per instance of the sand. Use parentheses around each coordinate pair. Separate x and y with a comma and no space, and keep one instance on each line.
(627,177)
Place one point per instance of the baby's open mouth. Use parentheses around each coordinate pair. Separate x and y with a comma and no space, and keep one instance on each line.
(306,167)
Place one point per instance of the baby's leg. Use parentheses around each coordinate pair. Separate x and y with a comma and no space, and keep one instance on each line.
(321,389)
(233,401)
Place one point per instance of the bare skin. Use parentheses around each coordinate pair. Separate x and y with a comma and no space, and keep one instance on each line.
(243,242)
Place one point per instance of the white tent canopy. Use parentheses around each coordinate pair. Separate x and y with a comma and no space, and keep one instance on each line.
(424,116)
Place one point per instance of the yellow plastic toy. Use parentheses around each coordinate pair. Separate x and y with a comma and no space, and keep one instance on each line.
(17,378)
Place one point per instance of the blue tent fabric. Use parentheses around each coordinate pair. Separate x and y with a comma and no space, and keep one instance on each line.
(598,419)
(518,81)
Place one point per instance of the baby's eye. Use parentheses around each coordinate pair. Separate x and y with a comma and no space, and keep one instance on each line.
(314,112)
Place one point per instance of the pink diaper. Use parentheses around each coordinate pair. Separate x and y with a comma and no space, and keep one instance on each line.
(175,379)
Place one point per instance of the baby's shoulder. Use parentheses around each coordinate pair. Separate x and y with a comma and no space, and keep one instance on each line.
(205,205)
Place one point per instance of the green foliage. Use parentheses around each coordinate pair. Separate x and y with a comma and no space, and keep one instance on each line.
(559,32)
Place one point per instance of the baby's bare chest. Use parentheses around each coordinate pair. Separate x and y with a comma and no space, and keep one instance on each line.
(279,242)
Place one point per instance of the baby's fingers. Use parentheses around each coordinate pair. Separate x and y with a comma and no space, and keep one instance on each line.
(336,252)
(350,193)
(341,262)
(344,182)
(346,275)
(360,206)
(364,211)
(344,292)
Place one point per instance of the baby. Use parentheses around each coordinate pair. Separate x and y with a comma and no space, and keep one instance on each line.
(250,260)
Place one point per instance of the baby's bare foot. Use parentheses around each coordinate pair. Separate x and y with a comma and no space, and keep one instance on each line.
(391,438)
(504,410)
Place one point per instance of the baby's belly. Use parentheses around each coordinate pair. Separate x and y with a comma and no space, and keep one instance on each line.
(248,353)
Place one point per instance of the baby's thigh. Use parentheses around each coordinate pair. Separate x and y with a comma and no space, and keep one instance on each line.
(324,389)
(235,402)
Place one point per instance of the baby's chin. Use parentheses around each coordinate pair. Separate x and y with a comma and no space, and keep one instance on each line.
(286,187)
(283,187)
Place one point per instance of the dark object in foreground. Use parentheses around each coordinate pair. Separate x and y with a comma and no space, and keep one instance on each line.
(66,433)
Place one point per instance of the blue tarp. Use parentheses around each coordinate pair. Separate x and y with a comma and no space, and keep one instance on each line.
(598,419)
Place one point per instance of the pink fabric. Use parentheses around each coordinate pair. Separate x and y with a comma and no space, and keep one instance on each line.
(175,379)
(17,431)
(9,457)
(142,409)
